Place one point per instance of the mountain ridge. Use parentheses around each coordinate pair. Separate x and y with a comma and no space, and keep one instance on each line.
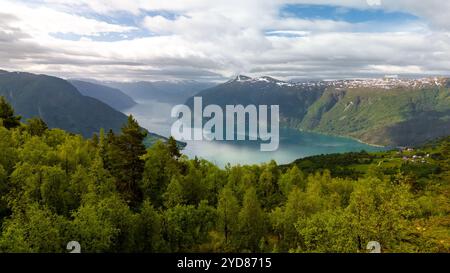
(67,109)
(111,96)
(387,112)
(163,91)
(293,99)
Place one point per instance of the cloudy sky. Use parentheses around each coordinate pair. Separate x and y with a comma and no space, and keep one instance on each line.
(216,39)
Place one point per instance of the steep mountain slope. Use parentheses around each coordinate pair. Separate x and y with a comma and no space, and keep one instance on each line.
(111,96)
(164,91)
(379,111)
(293,99)
(402,116)
(59,104)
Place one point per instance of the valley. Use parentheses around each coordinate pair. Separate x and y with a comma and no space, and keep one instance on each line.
(155,116)
(317,117)
(229,135)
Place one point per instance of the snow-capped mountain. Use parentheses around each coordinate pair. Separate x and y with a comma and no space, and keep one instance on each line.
(388,82)
(386,111)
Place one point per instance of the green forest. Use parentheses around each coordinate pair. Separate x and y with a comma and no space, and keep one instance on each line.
(113,194)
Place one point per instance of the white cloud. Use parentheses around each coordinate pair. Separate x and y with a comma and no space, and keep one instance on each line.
(43,20)
(374,2)
(206,39)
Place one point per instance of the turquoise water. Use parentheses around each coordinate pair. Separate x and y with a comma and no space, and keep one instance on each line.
(294,144)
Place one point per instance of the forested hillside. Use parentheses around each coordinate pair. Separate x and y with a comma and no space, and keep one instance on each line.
(112,194)
(402,116)
(61,105)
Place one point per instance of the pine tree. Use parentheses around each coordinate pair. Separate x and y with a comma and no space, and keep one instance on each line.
(173,147)
(126,165)
(36,126)
(95,140)
(7,117)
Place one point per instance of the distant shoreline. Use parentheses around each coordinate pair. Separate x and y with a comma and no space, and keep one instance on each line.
(349,137)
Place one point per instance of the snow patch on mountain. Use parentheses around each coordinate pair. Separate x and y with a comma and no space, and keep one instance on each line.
(379,83)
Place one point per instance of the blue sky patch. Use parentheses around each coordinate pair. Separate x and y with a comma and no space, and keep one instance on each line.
(119,18)
(351,15)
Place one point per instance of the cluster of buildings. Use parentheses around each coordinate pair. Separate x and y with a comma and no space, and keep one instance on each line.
(416,158)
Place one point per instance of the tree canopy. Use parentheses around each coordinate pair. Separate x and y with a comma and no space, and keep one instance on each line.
(112,194)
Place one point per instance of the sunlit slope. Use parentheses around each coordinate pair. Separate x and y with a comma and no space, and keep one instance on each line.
(386,117)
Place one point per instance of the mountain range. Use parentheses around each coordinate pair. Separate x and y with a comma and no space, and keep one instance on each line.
(163,91)
(388,112)
(111,96)
(294,99)
(60,104)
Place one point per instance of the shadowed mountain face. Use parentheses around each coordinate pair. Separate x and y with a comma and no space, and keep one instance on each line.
(294,100)
(60,104)
(391,112)
(425,126)
(111,96)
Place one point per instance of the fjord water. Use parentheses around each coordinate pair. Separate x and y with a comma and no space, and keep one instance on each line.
(294,144)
